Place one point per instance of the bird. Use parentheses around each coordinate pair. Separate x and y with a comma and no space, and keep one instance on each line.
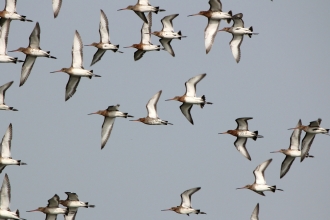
(9,12)
(142,6)
(167,33)
(5,194)
(76,71)
(152,118)
(185,206)
(56,7)
(238,31)
(104,43)
(311,130)
(255,213)
(214,15)
(72,203)
(292,152)
(5,157)
(3,90)
(4,32)
(32,52)
(110,115)
(52,209)
(189,98)
(259,186)
(145,44)
(242,133)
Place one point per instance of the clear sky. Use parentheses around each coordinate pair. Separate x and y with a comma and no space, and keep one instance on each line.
(282,76)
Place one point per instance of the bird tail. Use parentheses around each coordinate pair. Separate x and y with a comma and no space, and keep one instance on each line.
(127,115)
(198,211)
(255,137)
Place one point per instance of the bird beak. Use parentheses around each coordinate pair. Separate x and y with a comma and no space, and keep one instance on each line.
(241,187)
(222,30)
(56,71)
(224,133)
(166,210)
(169,99)
(35,210)
(122,9)
(135,120)
(192,15)
(278,151)
(292,128)
(129,47)
(13,50)
(92,113)
(88,45)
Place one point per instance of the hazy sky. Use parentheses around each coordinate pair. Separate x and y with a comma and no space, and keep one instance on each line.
(282,76)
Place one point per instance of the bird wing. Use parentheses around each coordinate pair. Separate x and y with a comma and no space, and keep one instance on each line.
(286,164)
(235,46)
(240,146)
(51,216)
(104,28)
(72,196)
(71,213)
(113,108)
(185,109)
(6,142)
(56,7)
(34,39)
(138,54)
(106,130)
(259,172)
(142,16)
(295,138)
(53,202)
(315,123)
(242,123)
(2,167)
(26,68)
(77,51)
(238,21)
(3,90)
(143,2)
(167,45)
(97,56)
(10,5)
(152,105)
(306,145)
(210,32)
(215,5)
(71,86)
(146,30)
(167,22)
(255,213)
(191,84)
(186,197)
(4,32)
(5,194)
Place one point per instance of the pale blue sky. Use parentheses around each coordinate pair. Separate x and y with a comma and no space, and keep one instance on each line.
(282,76)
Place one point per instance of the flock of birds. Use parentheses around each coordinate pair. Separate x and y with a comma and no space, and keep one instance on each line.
(166,35)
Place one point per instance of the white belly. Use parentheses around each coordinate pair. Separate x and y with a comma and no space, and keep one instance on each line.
(81,72)
(55,211)
(261,188)
(293,153)
(8,161)
(4,107)
(6,59)
(108,47)
(76,204)
(146,8)
(241,31)
(220,15)
(193,100)
(184,210)
(13,16)
(38,53)
(317,130)
(150,47)
(4,214)
(247,134)
(170,35)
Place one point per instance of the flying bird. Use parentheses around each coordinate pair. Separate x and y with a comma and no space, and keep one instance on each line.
(167,33)
(238,31)
(145,44)
(9,12)
(292,152)
(189,98)
(104,43)
(142,6)
(3,90)
(152,118)
(311,130)
(185,206)
(76,71)
(56,7)
(259,186)
(110,115)
(255,213)
(72,203)
(214,15)
(242,133)
(5,157)
(52,209)
(32,52)
(5,196)
(4,32)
